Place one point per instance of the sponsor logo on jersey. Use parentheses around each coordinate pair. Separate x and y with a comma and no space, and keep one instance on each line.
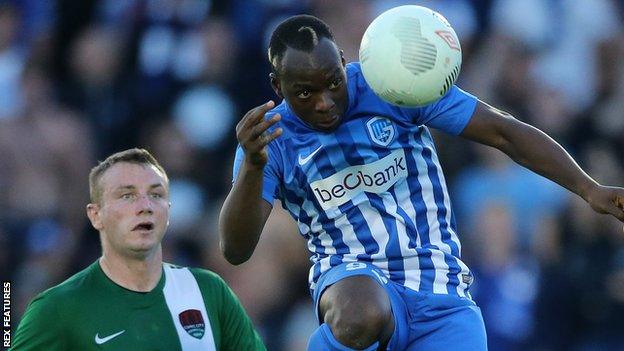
(304,160)
(381,130)
(193,322)
(376,177)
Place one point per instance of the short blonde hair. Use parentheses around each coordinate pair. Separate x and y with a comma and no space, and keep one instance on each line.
(135,155)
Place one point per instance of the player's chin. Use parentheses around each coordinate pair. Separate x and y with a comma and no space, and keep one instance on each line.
(145,243)
(329,125)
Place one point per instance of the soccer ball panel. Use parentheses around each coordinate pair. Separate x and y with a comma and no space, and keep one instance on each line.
(410,56)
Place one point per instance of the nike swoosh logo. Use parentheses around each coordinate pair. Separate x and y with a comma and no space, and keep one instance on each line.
(100,341)
(303,161)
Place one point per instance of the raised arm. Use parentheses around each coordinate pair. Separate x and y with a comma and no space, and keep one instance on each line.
(533,149)
(244,212)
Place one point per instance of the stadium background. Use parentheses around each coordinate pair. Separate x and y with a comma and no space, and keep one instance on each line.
(82,79)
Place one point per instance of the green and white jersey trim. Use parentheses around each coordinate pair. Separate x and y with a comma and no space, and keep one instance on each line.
(188,310)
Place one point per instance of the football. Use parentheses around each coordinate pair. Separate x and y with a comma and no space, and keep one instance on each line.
(410,56)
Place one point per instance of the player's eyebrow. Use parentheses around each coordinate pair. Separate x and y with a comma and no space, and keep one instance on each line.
(301,85)
(305,84)
(333,73)
(132,187)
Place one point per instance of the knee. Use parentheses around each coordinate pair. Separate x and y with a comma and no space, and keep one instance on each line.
(357,310)
(359,328)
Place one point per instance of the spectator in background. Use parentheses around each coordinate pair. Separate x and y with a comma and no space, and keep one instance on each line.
(11,62)
(507,279)
(46,243)
(497,179)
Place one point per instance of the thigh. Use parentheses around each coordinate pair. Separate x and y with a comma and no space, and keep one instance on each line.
(360,289)
(444,322)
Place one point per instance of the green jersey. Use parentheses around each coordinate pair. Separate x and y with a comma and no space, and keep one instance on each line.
(190,309)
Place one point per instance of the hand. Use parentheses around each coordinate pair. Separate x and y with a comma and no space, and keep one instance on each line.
(250,132)
(608,200)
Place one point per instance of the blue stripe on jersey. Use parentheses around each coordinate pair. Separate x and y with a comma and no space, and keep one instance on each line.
(432,170)
(425,262)
(326,225)
(392,250)
(351,155)
(325,169)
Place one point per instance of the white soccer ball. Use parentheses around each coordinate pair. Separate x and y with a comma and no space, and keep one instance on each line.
(410,56)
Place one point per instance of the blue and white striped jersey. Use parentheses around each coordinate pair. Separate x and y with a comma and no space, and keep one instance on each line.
(373,189)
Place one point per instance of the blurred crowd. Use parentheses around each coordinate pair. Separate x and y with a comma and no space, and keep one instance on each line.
(80,79)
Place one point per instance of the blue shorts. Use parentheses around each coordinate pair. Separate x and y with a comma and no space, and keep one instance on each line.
(423,321)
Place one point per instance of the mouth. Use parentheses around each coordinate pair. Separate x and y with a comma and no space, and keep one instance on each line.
(329,123)
(143,226)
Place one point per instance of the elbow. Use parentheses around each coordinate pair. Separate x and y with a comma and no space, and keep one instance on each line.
(234,257)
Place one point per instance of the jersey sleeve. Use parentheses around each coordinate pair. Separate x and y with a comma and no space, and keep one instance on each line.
(40,328)
(270,183)
(237,330)
(450,114)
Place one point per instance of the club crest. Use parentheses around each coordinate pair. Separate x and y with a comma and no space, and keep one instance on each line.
(381,130)
(193,322)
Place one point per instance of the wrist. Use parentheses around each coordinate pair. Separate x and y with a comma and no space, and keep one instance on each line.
(586,191)
(251,166)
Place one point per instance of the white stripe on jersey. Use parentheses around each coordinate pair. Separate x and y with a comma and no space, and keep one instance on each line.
(181,294)
(461,287)
(375,223)
(410,267)
(447,199)
(435,235)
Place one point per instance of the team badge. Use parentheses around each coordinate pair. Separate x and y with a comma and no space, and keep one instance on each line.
(193,322)
(381,130)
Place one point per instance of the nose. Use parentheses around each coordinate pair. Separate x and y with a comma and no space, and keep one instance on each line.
(144,205)
(324,103)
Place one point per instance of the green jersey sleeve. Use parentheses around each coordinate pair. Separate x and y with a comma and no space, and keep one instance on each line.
(238,331)
(39,328)
(232,327)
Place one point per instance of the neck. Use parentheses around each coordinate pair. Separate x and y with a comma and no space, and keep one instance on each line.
(136,274)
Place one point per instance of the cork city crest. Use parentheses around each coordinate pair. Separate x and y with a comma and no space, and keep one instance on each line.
(193,322)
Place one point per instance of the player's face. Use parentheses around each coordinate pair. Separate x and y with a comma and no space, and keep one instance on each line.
(314,84)
(134,210)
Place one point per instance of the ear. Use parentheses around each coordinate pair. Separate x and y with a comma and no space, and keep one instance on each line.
(276,85)
(93,212)
(342,59)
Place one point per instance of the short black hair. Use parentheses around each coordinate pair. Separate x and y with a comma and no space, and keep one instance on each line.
(301,32)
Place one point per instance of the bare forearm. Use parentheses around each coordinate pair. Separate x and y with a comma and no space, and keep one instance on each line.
(535,150)
(242,218)
(538,152)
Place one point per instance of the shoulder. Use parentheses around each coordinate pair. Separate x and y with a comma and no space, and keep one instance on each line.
(66,291)
(43,322)
(355,77)
(209,282)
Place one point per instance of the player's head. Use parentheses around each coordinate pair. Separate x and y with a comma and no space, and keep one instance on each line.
(308,71)
(129,202)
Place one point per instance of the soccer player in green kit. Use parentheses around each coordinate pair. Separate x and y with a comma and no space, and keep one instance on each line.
(129,299)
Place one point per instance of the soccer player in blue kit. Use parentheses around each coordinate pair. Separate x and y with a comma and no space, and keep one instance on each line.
(363,182)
